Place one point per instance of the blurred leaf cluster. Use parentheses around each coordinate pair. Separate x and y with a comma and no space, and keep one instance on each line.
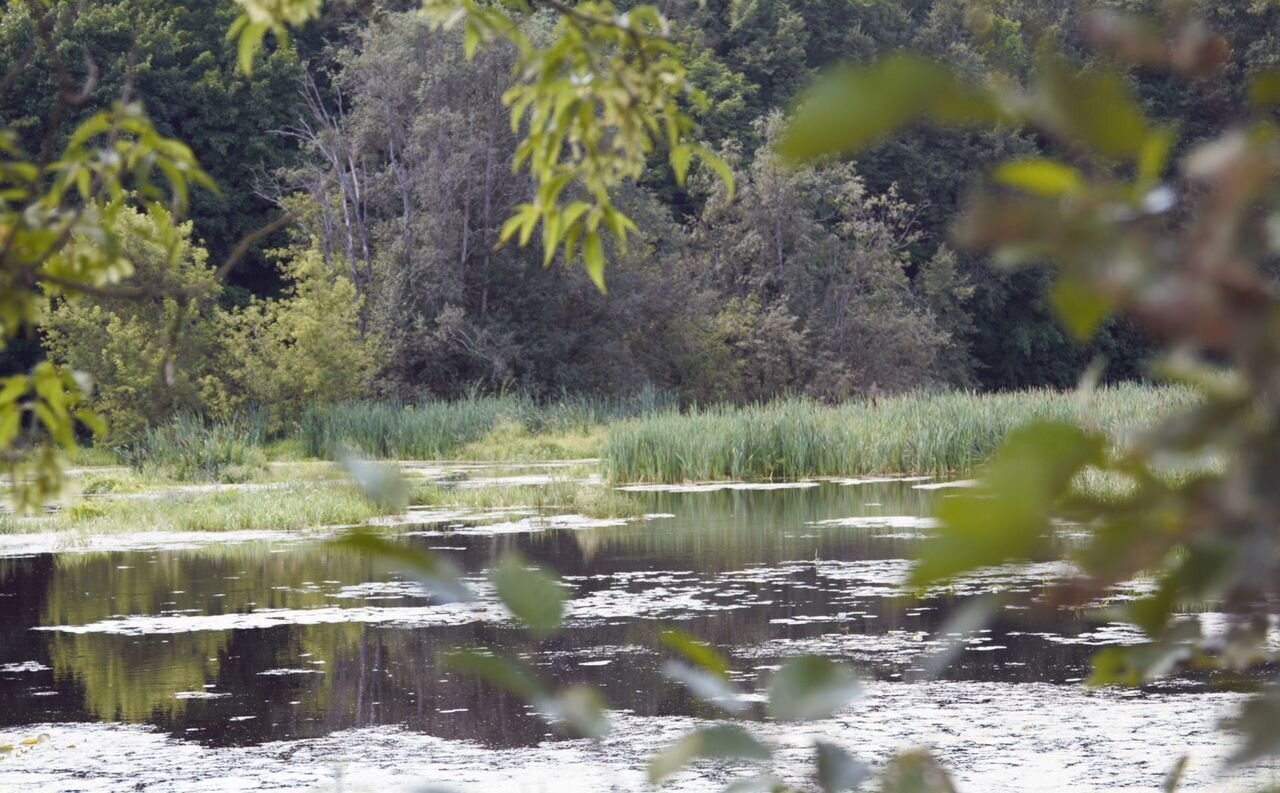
(1181,237)
(58,241)
(604,93)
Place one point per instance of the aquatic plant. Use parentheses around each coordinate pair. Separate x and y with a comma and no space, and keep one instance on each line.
(189,449)
(928,433)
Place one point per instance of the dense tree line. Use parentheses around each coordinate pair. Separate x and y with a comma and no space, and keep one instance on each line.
(393,152)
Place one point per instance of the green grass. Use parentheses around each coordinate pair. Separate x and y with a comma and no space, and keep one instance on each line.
(490,428)
(914,434)
(189,449)
(294,506)
(560,498)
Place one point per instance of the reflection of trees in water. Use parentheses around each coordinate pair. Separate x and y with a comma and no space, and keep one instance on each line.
(732,529)
(375,674)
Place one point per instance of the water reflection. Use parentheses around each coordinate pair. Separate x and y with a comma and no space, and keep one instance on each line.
(756,572)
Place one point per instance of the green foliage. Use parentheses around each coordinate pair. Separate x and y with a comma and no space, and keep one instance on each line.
(595,102)
(533,597)
(303,349)
(810,687)
(916,433)
(147,357)
(1195,280)
(189,449)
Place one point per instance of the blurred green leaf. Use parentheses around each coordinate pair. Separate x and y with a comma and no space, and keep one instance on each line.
(1264,88)
(1043,177)
(380,482)
(1094,107)
(1259,724)
(1174,777)
(857,107)
(1135,665)
(837,769)
(720,742)
(1080,307)
(532,596)
(1007,518)
(706,686)
(580,708)
(499,672)
(695,650)
(916,771)
(811,687)
(439,575)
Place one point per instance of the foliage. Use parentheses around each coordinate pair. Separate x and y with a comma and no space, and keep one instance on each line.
(595,101)
(303,349)
(438,429)
(297,506)
(1178,245)
(915,433)
(131,346)
(188,449)
(58,220)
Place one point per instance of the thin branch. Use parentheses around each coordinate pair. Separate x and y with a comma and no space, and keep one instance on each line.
(248,241)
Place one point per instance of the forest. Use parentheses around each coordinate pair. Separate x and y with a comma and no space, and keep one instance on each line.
(391,151)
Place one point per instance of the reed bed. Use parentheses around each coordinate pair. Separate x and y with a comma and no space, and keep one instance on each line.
(432,430)
(927,433)
(189,449)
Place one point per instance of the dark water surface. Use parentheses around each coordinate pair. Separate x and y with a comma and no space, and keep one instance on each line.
(237,645)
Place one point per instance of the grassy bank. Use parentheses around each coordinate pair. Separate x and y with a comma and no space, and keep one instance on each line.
(285,507)
(913,434)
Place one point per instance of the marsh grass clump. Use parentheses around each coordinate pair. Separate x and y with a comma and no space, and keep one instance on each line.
(592,501)
(491,428)
(286,507)
(926,433)
(189,449)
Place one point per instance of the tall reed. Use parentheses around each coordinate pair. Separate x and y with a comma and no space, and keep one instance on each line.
(926,433)
(437,429)
(189,449)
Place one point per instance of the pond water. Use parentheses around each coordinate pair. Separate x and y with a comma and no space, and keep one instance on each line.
(285,663)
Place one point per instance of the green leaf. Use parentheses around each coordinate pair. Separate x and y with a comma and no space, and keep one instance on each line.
(837,769)
(916,771)
(811,687)
(593,258)
(1080,307)
(706,686)
(1043,177)
(1094,107)
(1154,156)
(531,595)
(250,41)
(1259,723)
(499,672)
(381,483)
(1264,88)
(580,708)
(719,166)
(697,651)
(1007,518)
(1174,777)
(722,741)
(857,107)
(436,573)
(681,156)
